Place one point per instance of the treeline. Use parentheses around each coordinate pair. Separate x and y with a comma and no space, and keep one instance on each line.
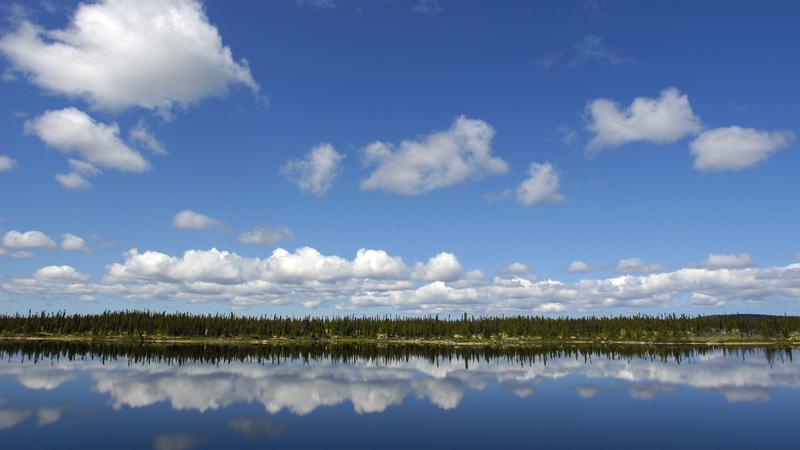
(146,325)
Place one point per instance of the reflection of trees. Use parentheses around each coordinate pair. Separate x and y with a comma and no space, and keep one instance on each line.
(37,351)
(371,378)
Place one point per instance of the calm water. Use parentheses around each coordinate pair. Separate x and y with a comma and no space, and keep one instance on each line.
(164,398)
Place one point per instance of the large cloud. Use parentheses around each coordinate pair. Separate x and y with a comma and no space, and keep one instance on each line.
(375,278)
(72,131)
(115,54)
(438,160)
(736,148)
(665,119)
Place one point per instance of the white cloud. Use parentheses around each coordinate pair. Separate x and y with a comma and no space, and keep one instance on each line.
(662,120)
(29,239)
(591,48)
(736,148)
(73,243)
(636,265)
(73,131)
(578,267)
(59,273)
(700,299)
(377,264)
(264,235)
(311,279)
(551,307)
(155,54)
(72,181)
(442,267)
(438,160)
(19,254)
(540,187)
(76,179)
(6,163)
(719,261)
(316,172)
(516,268)
(190,220)
(141,134)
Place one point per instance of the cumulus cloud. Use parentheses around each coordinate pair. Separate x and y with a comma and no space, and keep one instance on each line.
(70,130)
(73,243)
(374,278)
(636,265)
(316,172)
(438,160)
(442,267)
(29,239)
(264,235)
(540,187)
(578,266)
(154,54)
(59,273)
(377,264)
(662,120)
(7,163)
(718,261)
(190,220)
(551,307)
(516,268)
(736,148)
(141,134)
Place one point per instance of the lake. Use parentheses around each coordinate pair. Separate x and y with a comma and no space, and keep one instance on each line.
(365,396)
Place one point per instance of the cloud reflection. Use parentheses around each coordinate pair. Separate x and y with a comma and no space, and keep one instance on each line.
(370,387)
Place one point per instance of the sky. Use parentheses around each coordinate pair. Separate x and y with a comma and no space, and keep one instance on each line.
(332,157)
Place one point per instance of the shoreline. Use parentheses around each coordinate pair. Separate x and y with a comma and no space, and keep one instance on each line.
(382,341)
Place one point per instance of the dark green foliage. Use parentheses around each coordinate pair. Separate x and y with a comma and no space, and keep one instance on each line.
(145,324)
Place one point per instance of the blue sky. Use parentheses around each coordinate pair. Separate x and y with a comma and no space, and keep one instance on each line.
(662,134)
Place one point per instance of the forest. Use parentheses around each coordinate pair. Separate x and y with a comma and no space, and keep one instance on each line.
(147,325)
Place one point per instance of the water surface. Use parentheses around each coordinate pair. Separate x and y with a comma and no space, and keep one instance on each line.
(194,397)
